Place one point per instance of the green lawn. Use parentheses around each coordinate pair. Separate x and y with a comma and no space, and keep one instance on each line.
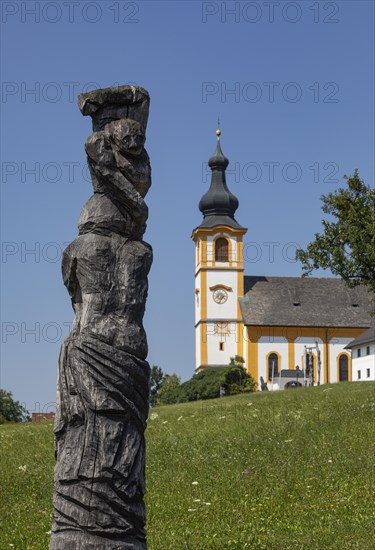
(283,470)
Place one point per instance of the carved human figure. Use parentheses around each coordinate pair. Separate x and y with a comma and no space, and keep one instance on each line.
(103,372)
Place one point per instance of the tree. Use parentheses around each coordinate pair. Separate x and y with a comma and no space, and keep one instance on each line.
(236,361)
(347,245)
(169,385)
(238,380)
(11,410)
(203,385)
(206,384)
(156,381)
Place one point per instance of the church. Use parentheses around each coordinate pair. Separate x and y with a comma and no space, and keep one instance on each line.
(289,330)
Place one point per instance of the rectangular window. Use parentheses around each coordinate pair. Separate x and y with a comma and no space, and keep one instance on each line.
(368,350)
(359,352)
(368,373)
(221,345)
(359,375)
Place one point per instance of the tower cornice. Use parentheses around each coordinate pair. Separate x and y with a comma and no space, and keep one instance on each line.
(200,231)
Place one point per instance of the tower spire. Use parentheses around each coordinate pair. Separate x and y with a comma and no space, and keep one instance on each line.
(219,270)
(218,205)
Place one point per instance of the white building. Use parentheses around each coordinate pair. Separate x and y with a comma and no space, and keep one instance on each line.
(274,323)
(363,356)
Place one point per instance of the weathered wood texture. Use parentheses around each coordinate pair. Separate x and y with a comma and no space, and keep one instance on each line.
(103,376)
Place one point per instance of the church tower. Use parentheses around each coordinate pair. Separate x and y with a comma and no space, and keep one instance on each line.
(219,272)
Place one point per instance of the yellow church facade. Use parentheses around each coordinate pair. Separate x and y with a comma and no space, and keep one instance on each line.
(285,328)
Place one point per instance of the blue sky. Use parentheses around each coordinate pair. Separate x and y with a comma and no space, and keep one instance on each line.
(294,92)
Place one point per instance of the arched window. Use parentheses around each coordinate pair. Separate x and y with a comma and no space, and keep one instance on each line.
(343,368)
(221,250)
(273,366)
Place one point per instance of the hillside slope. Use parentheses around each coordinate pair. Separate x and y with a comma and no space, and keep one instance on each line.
(286,470)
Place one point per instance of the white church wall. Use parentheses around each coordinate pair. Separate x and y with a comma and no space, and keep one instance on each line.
(227,310)
(216,355)
(198,294)
(197,346)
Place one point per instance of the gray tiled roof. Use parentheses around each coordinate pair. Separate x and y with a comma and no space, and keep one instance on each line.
(304,302)
(292,373)
(212,221)
(365,338)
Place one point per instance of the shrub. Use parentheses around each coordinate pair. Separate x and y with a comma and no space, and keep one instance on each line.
(207,383)
(239,381)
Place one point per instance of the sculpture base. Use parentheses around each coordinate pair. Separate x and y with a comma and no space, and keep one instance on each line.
(77,540)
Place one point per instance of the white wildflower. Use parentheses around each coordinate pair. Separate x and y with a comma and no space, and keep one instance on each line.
(194,482)
(153,416)
(22,468)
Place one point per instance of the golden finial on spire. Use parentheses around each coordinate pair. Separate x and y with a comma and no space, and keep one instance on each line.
(218,131)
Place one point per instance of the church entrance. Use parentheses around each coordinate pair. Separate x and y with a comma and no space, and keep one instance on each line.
(343,368)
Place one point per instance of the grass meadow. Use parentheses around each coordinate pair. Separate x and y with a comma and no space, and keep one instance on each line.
(282,470)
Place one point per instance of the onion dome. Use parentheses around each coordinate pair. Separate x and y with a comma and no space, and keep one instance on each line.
(218,205)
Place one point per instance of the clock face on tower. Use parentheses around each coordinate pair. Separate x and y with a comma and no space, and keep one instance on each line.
(220,296)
